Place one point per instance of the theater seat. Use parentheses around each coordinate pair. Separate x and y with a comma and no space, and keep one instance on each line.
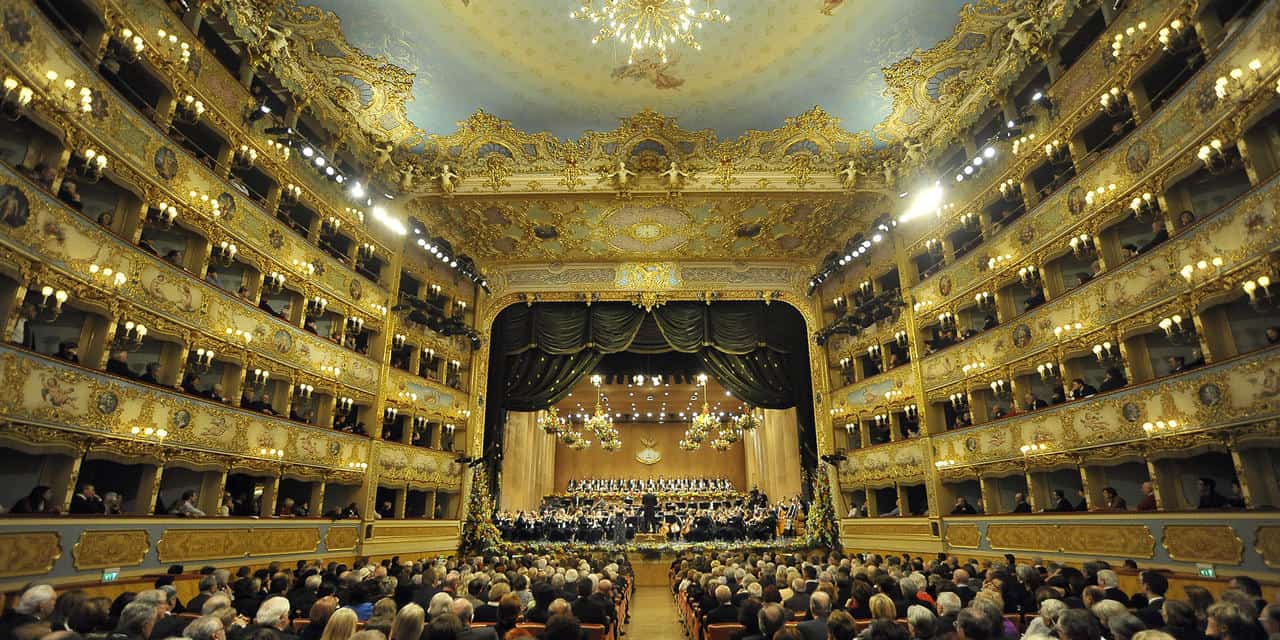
(594,631)
(722,630)
(298,624)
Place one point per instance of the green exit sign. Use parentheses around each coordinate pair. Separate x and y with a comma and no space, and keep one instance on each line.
(1207,571)
(110,575)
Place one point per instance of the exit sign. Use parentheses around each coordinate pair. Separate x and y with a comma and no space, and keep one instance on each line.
(110,575)
(1207,571)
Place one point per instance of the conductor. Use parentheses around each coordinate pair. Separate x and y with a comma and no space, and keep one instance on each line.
(650,503)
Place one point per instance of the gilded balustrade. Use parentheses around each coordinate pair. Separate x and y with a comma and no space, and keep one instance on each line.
(146,159)
(1156,150)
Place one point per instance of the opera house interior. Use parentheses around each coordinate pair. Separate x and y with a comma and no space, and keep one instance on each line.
(579,319)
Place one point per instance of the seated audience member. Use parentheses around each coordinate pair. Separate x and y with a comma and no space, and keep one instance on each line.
(1180,620)
(1186,219)
(1113,379)
(87,501)
(69,193)
(34,607)
(118,364)
(1081,389)
(341,625)
(560,627)
(40,500)
(1148,502)
(1273,335)
(1209,496)
(1020,504)
(963,507)
(1059,503)
(1111,500)
(186,506)
(724,610)
(1159,233)
(68,350)
(1154,586)
(1228,621)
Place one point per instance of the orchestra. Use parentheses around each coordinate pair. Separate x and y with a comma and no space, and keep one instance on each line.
(597,520)
(658,485)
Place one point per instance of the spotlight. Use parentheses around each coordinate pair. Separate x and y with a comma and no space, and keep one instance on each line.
(356,190)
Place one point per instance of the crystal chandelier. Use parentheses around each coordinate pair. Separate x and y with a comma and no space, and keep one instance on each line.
(648,25)
(600,424)
(702,424)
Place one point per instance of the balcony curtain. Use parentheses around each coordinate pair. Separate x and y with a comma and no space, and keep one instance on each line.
(549,347)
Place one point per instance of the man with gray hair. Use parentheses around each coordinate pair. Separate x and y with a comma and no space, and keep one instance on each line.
(1110,583)
(724,610)
(466,612)
(215,602)
(208,587)
(35,605)
(819,609)
(205,628)
(137,620)
(272,614)
(1044,623)
(771,618)
(948,608)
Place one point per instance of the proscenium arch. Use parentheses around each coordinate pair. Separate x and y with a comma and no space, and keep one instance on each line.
(807,307)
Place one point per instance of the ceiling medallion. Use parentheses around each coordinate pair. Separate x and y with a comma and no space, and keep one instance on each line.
(649,25)
(647,231)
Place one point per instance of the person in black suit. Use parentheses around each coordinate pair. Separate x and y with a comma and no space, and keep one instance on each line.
(798,604)
(1081,389)
(1209,496)
(465,611)
(963,507)
(87,501)
(1158,235)
(816,627)
(1154,586)
(1060,502)
(962,588)
(1020,505)
(592,608)
(1110,583)
(724,610)
(650,503)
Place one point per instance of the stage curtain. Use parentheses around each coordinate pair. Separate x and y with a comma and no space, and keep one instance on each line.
(551,346)
(529,471)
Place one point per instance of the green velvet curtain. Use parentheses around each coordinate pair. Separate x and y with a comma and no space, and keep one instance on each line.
(549,347)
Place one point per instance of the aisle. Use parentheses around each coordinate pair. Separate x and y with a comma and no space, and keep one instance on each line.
(654,615)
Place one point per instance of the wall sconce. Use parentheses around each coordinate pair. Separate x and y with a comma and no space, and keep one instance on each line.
(330,370)
(397,340)
(986,301)
(1259,292)
(846,364)
(271,452)
(942,464)
(359,467)
(380,309)
(419,423)
(1032,449)
(1115,102)
(316,306)
(923,305)
(365,251)
(245,157)
(900,339)
(64,97)
(130,335)
(1129,39)
(1068,330)
(450,428)
(1029,276)
(850,428)
(330,226)
(304,390)
(839,305)
(1159,427)
(933,246)
(259,377)
(149,432)
(202,360)
(344,405)
(1237,84)
(389,414)
(189,110)
(1188,271)
(1001,389)
(51,301)
(1049,372)
(1057,152)
(999,262)
(880,420)
(970,221)
(1173,38)
(177,49)
(893,395)
(1213,157)
(1145,205)
(873,352)
(866,289)
(283,149)
(1106,353)
(1178,329)
(274,282)
(91,166)
(1010,191)
(290,193)
(1095,196)
(240,335)
(959,401)
(225,253)
(202,202)
(127,45)
(947,320)
(1082,245)
(973,367)
(355,325)
(16,98)
(107,275)
(912,412)
(303,265)
(1023,143)
(163,215)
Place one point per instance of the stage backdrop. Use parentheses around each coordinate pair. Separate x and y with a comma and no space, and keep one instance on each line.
(673,462)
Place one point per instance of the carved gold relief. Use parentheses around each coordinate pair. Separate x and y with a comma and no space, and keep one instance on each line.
(1266,541)
(97,549)
(182,545)
(278,541)
(28,553)
(1217,544)
(964,535)
(341,538)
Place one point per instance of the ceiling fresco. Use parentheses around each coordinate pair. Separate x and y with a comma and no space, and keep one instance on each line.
(528,62)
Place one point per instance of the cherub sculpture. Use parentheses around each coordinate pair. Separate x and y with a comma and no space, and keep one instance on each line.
(849,175)
(448,179)
(622,175)
(673,176)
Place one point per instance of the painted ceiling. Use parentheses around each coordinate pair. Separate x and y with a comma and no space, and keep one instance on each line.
(528,62)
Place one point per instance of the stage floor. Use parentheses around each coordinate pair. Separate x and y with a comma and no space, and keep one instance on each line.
(778,544)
